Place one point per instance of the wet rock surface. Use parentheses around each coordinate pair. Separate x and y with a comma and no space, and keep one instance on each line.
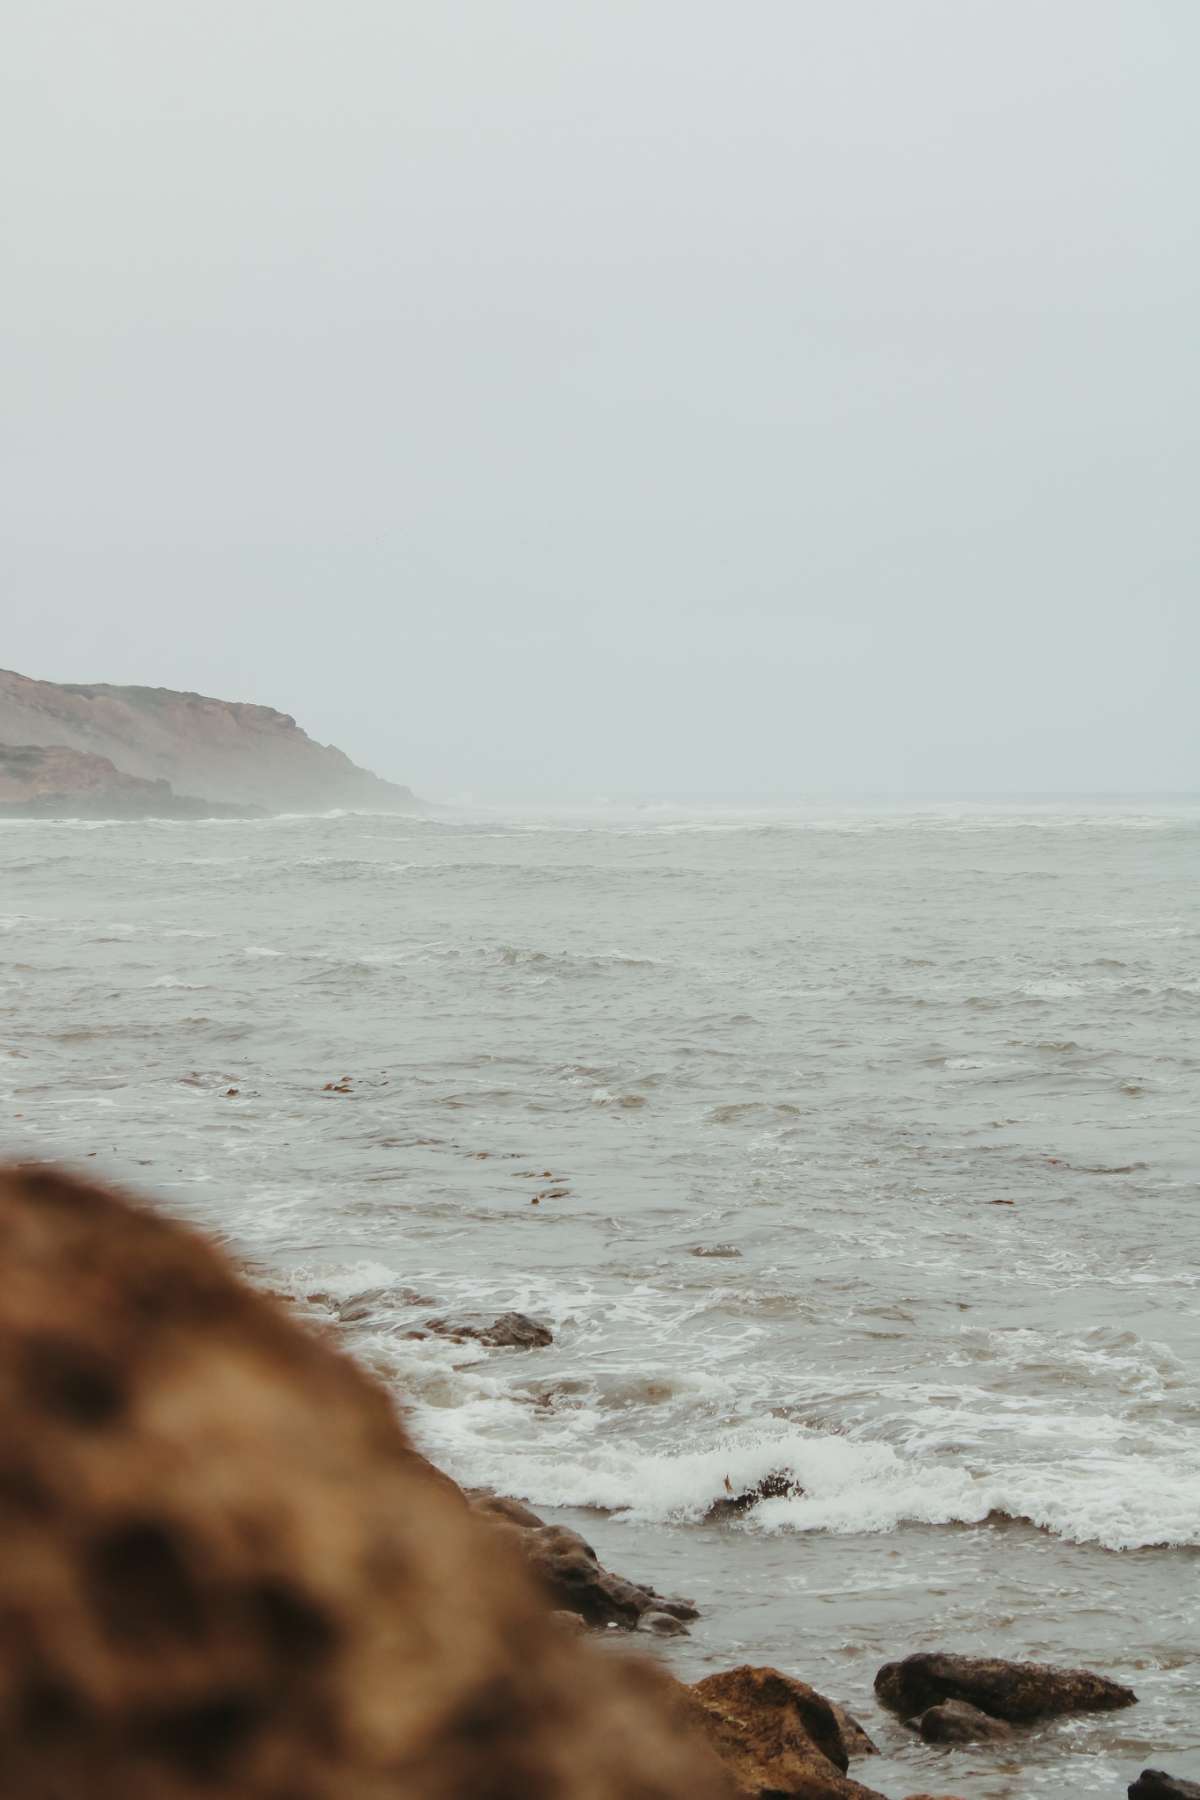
(1016,1691)
(1156,1784)
(955,1722)
(570,1572)
(225,1571)
(780,1484)
(662,1624)
(779,1738)
(510,1331)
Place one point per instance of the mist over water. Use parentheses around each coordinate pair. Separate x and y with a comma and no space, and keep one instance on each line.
(862,1144)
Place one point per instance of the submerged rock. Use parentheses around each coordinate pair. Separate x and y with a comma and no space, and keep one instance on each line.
(1156,1784)
(570,1572)
(511,1331)
(955,1722)
(369,1306)
(225,1570)
(1016,1691)
(779,1738)
(663,1624)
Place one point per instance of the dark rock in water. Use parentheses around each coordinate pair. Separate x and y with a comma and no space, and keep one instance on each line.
(778,1485)
(853,1736)
(1016,1691)
(779,1738)
(511,1331)
(1155,1784)
(954,1722)
(570,1571)
(662,1624)
(226,1572)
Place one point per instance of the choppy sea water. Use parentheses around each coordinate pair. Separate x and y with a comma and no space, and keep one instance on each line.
(864,1145)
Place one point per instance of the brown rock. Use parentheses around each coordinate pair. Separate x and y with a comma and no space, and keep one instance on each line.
(570,1572)
(854,1738)
(954,1722)
(511,1331)
(1017,1691)
(1155,1784)
(778,1737)
(223,1569)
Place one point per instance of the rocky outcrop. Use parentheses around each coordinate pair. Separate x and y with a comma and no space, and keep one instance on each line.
(511,1331)
(569,1571)
(224,1570)
(954,1722)
(779,1738)
(55,783)
(227,751)
(1155,1784)
(1016,1691)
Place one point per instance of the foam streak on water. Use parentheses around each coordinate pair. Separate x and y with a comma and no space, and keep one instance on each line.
(863,1146)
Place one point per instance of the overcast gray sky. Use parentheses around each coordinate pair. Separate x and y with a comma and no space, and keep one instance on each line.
(617,395)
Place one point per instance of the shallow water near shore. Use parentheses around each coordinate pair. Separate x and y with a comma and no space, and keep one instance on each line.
(862,1144)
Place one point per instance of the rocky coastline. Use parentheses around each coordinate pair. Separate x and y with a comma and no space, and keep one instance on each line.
(99,751)
(225,1568)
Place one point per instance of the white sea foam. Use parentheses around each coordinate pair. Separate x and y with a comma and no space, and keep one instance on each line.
(850,1485)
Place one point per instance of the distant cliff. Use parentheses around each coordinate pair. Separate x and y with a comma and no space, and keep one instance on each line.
(214,755)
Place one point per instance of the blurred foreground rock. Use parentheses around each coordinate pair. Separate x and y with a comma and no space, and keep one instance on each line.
(223,1569)
(1155,1784)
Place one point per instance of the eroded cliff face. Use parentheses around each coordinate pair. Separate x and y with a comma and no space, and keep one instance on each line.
(216,750)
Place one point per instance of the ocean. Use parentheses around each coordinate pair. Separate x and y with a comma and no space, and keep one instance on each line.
(856,1143)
